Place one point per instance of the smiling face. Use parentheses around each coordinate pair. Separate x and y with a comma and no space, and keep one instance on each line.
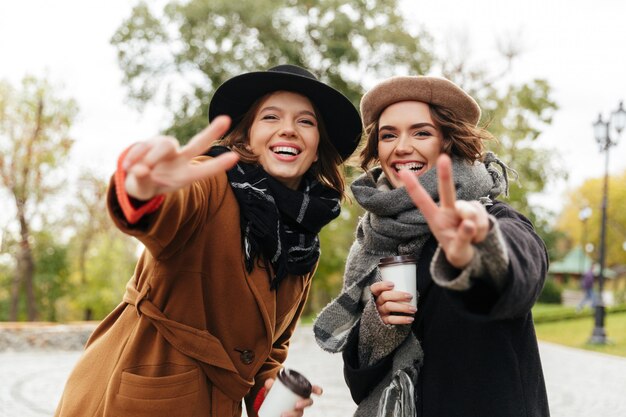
(407,139)
(285,136)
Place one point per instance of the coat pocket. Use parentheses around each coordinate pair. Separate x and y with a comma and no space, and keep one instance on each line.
(158,390)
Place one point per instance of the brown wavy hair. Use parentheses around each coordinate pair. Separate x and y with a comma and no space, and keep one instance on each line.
(460,138)
(326,169)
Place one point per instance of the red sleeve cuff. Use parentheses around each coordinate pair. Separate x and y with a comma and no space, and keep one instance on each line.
(133,214)
(259,400)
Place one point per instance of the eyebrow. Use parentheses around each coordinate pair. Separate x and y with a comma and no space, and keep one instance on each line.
(274,108)
(413,126)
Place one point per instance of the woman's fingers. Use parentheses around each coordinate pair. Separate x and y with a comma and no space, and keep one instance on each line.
(477,214)
(459,250)
(377,288)
(400,306)
(211,167)
(393,306)
(482,222)
(447,191)
(163,148)
(391,298)
(134,154)
(140,171)
(397,319)
(301,404)
(202,141)
(419,195)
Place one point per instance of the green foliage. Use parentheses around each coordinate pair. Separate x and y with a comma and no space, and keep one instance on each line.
(51,275)
(577,332)
(551,293)
(35,142)
(34,127)
(6,276)
(589,194)
(545,313)
(180,55)
(102,258)
(516,117)
(108,267)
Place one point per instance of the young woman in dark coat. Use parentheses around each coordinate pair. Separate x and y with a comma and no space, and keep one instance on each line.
(469,348)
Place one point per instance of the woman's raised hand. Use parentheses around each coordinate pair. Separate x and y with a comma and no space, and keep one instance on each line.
(160,165)
(455,224)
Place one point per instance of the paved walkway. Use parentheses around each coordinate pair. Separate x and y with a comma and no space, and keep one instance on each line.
(580,383)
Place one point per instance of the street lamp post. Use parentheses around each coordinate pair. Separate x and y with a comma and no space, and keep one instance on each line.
(602,133)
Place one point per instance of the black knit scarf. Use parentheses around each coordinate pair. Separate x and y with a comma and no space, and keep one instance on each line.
(277,223)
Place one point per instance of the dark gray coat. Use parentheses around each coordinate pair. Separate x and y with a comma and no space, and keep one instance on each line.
(480,350)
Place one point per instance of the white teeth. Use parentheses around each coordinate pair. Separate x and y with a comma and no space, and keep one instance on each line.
(285,149)
(413,166)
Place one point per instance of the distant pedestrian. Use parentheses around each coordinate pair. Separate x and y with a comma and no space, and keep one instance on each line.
(586,283)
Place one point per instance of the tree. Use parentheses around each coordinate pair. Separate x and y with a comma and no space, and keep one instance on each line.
(102,258)
(98,287)
(589,194)
(90,220)
(181,55)
(51,274)
(34,128)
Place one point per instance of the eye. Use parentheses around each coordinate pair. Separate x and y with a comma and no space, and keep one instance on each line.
(269,116)
(422,133)
(386,136)
(309,122)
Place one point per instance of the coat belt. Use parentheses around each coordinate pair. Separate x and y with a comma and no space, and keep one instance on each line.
(197,344)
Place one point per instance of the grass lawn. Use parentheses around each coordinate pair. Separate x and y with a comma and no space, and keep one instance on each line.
(576,333)
(540,309)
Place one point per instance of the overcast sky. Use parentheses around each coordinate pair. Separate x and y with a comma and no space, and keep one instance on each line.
(579,46)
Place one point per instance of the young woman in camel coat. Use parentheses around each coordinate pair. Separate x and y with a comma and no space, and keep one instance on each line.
(231,248)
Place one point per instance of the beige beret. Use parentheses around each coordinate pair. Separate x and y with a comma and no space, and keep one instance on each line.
(433,90)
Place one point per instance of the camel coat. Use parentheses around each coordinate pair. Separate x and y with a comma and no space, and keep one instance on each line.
(195,333)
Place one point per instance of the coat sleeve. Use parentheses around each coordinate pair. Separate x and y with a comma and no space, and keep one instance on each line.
(525,274)
(181,214)
(277,355)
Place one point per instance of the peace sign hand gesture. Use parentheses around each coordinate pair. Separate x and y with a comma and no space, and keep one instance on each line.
(455,224)
(160,165)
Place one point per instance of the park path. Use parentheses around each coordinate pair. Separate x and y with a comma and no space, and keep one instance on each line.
(580,383)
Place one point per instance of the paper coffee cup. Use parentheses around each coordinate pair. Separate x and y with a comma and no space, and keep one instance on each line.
(289,387)
(401,270)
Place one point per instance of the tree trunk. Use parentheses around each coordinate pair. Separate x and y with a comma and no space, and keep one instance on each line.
(26,267)
(15,295)
(24,279)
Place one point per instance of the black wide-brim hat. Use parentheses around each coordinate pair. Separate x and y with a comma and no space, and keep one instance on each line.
(343,124)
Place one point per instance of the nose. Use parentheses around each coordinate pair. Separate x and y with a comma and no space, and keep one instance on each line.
(287,129)
(404,145)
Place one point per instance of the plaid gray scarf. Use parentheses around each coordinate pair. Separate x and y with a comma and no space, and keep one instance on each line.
(393,226)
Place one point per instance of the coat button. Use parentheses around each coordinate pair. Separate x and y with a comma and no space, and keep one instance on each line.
(246,356)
